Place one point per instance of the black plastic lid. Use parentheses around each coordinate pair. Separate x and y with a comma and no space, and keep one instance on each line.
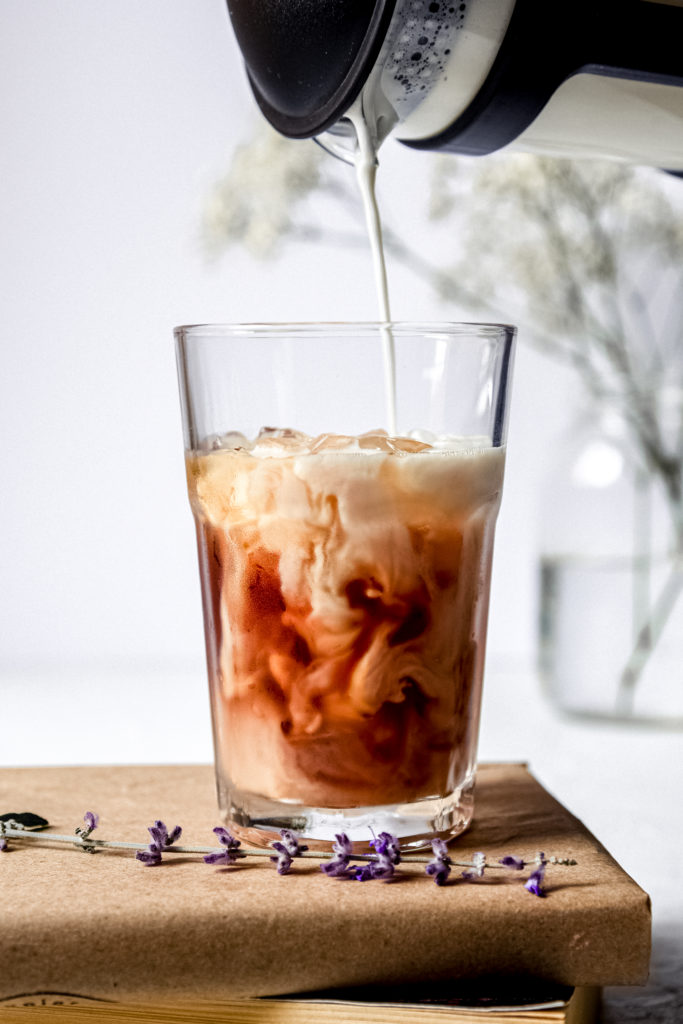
(307,60)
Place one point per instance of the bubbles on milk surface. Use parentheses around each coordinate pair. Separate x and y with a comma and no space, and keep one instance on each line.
(419,50)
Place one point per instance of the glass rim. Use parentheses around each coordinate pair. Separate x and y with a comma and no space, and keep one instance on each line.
(313,328)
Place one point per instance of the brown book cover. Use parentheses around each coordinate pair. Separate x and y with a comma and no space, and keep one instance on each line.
(108,927)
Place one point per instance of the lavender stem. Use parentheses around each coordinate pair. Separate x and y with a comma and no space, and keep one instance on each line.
(248,851)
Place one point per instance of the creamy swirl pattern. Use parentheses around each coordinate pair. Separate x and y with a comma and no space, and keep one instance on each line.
(345,585)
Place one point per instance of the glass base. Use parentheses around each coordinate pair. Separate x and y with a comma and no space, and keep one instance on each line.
(639,720)
(257,820)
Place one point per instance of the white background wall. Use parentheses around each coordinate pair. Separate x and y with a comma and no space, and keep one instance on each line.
(116,117)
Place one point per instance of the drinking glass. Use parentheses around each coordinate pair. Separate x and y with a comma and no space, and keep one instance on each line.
(345,481)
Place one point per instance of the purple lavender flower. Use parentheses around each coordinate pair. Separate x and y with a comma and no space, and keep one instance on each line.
(512,862)
(91,821)
(291,843)
(534,883)
(283,859)
(387,856)
(478,865)
(366,872)
(440,866)
(161,839)
(380,868)
(338,866)
(227,856)
(387,845)
(287,850)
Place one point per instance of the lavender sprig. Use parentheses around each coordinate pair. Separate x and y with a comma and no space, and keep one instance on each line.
(16,823)
(387,845)
(5,826)
(378,865)
(387,856)
(229,854)
(287,850)
(91,822)
(512,862)
(338,865)
(161,839)
(476,869)
(534,883)
(440,866)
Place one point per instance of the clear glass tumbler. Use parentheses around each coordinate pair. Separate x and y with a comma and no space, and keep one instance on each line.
(345,481)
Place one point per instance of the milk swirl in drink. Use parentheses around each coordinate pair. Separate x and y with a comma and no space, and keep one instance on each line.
(345,587)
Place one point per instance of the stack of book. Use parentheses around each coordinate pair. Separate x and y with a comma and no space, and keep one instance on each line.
(108,937)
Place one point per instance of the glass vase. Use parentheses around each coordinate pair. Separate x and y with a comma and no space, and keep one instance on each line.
(611,568)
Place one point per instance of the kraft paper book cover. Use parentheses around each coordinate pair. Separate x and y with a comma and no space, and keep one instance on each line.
(108,927)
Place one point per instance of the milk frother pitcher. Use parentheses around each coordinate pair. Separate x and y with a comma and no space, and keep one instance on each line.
(599,78)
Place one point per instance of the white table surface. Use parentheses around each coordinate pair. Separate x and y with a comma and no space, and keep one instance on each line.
(625,783)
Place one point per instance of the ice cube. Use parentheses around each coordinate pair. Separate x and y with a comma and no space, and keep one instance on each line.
(284,434)
(279,442)
(370,441)
(235,440)
(376,441)
(231,440)
(408,445)
(333,443)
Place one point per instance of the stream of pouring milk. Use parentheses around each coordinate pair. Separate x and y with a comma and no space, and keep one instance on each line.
(365,161)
